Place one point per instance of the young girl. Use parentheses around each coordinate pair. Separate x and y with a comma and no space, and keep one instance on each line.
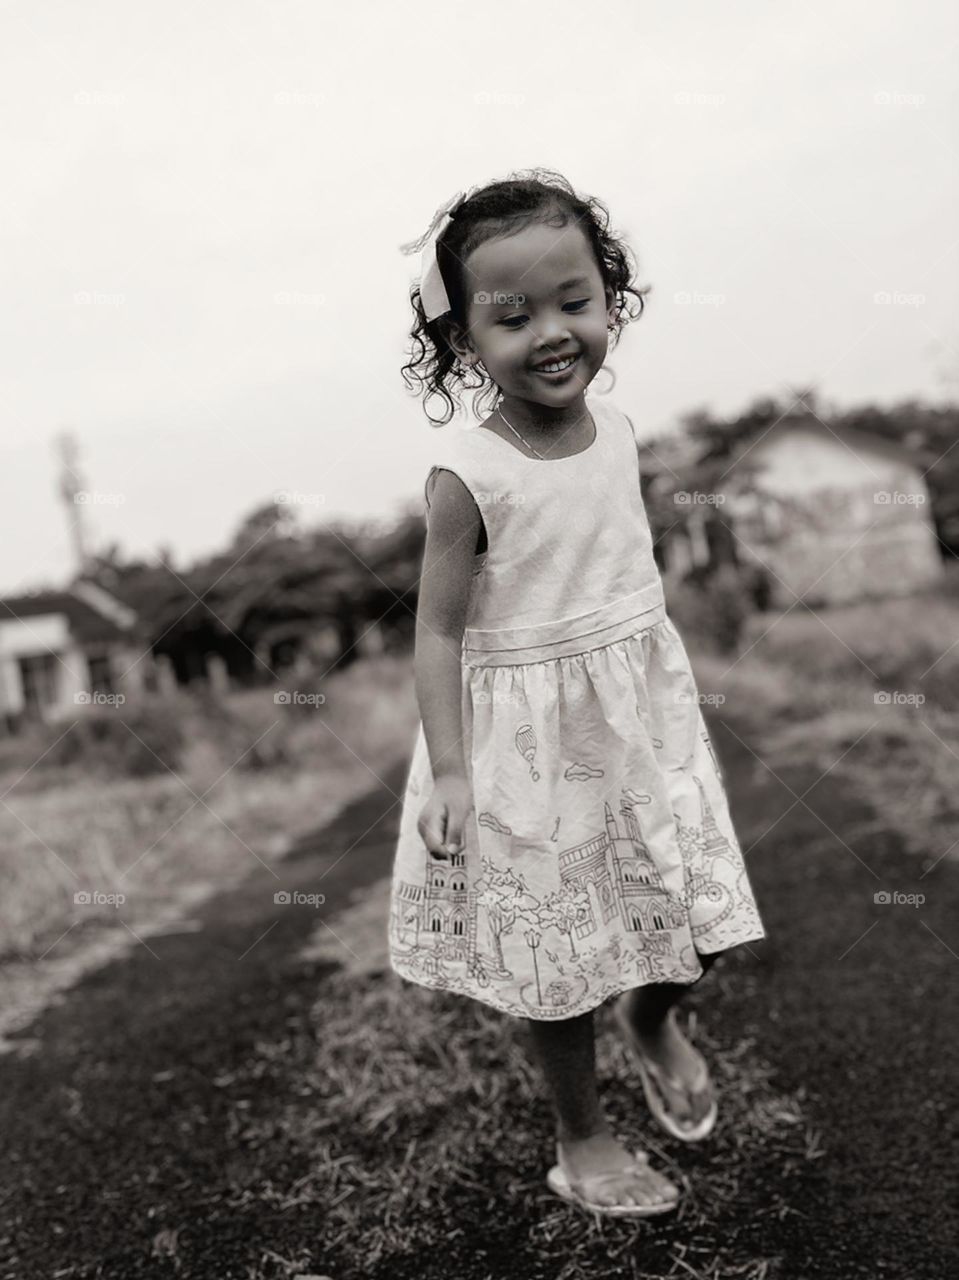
(565,835)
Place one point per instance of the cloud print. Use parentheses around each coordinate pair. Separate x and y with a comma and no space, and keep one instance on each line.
(490,820)
(636,797)
(580,772)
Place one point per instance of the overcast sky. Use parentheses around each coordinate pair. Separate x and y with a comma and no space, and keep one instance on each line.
(201,207)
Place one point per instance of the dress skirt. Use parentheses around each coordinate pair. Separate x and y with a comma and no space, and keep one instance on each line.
(600,854)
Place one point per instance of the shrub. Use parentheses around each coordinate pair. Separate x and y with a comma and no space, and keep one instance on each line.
(714,615)
(130,742)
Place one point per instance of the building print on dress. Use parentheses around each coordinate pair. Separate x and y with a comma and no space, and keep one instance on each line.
(700,846)
(610,874)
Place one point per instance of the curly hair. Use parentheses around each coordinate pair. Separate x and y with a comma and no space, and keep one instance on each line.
(524,198)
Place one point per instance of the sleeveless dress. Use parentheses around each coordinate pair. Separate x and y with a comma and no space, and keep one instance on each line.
(599,854)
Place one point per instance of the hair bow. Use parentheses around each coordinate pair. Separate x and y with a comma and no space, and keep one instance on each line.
(433,295)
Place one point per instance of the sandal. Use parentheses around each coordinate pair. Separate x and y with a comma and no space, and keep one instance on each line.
(583,1190)
(655,1077)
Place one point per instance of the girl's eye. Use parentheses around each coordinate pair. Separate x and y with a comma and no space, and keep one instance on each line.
(511,322)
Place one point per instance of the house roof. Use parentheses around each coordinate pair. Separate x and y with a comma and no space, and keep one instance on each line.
(87,624)
(845,437)
(679,451)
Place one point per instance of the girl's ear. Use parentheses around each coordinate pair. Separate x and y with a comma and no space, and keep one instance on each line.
(610,304)
(459,340)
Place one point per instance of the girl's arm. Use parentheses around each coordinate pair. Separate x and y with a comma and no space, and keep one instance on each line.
(452,532)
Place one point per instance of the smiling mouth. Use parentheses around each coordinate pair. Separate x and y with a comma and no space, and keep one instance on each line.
(556,366)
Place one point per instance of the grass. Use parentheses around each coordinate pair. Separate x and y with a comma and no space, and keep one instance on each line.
(422,1115)
(870,691)
(265,773)
(430,1134)
(433,1133)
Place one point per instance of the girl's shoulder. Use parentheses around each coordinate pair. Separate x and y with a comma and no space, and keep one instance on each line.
(487,462)
(613,413)
(470,453)
(455,451)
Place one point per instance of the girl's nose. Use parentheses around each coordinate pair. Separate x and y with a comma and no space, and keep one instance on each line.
(552,332)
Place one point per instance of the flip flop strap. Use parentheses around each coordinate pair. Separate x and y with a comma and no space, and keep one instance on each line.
(661,1075)
(639,1158)
(594,1184)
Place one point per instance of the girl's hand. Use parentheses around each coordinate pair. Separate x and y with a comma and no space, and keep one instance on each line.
(444,815)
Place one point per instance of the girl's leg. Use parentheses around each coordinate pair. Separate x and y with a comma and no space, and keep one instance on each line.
(648,1011)
(566,1053)
(648,1006)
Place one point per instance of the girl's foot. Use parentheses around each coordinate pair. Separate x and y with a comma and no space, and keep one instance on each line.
(676,1079)
(599,1173)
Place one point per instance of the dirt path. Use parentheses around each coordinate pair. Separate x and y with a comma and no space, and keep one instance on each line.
(139,1120)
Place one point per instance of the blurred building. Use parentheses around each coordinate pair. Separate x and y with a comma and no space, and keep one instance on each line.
(829,515)
(63,650)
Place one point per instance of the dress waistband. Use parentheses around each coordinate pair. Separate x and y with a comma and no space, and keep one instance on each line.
(564,637)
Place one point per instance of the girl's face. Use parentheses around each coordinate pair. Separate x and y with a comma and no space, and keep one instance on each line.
(537,298)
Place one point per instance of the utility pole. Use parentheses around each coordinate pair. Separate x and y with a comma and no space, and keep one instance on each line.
(75,497)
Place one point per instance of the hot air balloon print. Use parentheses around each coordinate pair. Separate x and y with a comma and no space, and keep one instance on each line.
(526,746)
